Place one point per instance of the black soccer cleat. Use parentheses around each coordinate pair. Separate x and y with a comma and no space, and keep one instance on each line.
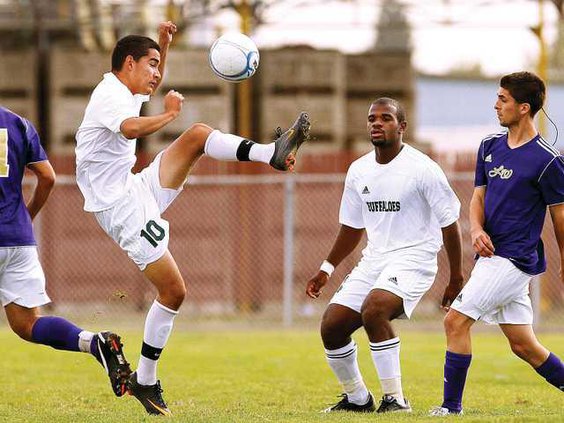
(286,144)
(345,405)
(390,404)
(110,356)
(150,396)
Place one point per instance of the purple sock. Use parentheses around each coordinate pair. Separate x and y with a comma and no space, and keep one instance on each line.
(456,369)
(553,371)
(56,332)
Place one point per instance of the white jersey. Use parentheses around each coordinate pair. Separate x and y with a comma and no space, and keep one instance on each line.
(104,157)
(402,204)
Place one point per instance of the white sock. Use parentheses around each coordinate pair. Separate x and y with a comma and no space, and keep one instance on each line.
(343,362)
(262,153)
(222,146)
(84,340)
(386,358)
(158,326)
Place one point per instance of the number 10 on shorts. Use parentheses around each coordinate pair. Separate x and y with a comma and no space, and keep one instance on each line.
(153,233)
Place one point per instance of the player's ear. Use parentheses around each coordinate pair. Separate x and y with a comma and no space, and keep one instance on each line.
(402,126)
(524,108)
(129,62)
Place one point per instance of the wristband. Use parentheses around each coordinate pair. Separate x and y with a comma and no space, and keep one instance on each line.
(327,268)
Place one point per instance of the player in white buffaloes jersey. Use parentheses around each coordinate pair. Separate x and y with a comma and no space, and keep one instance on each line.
(403,201)
(128,207)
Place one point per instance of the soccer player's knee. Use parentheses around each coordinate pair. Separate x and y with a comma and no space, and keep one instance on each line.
(449,323)
(198,132)
(453,326)
(372,312)
(178,294)
(330,331)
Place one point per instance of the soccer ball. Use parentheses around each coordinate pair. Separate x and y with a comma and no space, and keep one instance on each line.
(234,57)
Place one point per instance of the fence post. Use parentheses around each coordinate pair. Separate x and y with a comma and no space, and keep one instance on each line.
(289,185)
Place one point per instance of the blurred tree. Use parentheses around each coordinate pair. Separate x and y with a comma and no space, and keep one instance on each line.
(393,32)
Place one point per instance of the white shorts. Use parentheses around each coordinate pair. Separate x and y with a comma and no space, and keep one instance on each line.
(409,275)
(497,293)
(135,221)
(22,280)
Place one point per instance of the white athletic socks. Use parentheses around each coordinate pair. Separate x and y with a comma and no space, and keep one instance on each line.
(343,362)
(84,340)
(386,358)
(158,326)
(231,147)
(262,152)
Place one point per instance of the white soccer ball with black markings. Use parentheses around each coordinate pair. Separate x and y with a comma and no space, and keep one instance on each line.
(234,57)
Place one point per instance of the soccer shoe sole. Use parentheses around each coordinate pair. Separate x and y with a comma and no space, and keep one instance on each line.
(119,375)
(287,145)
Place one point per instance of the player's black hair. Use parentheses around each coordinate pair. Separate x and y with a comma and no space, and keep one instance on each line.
(525,87)
(136,46)
(400,111)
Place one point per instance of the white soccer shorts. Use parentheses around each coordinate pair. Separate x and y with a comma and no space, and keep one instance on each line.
(496,293)
(22,280)
(135,221)
(407,274)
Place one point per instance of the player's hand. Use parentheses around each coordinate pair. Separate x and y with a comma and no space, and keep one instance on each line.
(173,102)
(451,291)
(482,243)
(315,285)
(166,31)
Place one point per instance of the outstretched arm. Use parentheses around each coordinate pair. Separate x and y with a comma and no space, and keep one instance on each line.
(557,215)
(453,246)
(142,126)
(146,125)
(166,31)
(45,180)
(347,240)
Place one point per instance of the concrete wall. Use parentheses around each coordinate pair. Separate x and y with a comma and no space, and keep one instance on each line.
(334,88)
(18,84)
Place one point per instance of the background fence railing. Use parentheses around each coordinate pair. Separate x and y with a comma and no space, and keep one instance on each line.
(245,244)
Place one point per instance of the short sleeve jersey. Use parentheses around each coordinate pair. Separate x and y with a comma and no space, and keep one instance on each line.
(402,204)
(104,157)
(520,183)
(19,147)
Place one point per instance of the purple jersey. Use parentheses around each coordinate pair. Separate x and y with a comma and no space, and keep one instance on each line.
(520,183)
(19,146)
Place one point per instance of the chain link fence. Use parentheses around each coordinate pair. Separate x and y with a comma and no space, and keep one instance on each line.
(246,246)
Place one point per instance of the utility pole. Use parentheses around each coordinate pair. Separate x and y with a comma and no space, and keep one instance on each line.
(244,88)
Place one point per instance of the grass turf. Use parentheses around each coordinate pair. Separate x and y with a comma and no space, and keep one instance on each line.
(267,376)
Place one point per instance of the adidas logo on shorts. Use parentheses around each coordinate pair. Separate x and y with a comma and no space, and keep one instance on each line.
(393,279)
(459,298)
(366,190)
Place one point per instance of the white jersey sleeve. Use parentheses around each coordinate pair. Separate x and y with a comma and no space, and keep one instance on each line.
(442,200)
(350,213)
(112,109)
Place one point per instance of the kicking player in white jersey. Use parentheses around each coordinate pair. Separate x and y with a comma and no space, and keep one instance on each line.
(518,175)
(128,207)
(403,201)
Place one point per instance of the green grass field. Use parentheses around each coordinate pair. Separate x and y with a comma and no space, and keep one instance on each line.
(267,376)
